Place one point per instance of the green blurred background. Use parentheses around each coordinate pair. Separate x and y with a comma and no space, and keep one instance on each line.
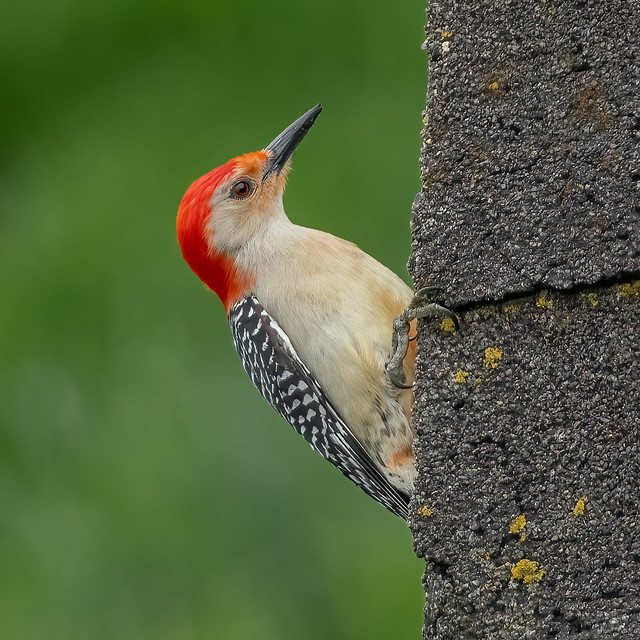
(146,489)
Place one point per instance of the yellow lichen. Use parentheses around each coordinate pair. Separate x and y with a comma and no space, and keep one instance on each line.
(543,301)
(448,324)
(510,307)
(496,84)
(579,509)
(527,571)
(446,34)
(518,524)
(593,299)
(629,289)
(425,511)
(461,376)
(492,357)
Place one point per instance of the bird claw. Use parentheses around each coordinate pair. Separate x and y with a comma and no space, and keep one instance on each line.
(425,294)
(418,308)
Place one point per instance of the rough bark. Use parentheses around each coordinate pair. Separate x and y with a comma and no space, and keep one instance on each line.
(528,417)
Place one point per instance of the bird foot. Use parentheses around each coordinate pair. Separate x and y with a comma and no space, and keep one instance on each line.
(420,307)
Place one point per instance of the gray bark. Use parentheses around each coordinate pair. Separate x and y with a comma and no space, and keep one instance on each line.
(528,417)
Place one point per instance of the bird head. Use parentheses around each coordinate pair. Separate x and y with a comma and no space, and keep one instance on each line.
(224,209)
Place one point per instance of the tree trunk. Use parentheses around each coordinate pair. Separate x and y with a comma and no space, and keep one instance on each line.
(528,417)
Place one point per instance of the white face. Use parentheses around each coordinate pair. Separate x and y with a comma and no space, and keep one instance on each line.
(244,207)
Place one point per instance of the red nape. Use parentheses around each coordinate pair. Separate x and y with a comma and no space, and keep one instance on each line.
(217,271)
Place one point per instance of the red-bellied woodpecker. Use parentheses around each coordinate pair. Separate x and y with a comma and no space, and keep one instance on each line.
(312,317)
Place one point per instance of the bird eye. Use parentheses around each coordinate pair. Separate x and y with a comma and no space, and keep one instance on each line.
(242,188)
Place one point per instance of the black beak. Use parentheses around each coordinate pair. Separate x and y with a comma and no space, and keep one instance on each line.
(285,144)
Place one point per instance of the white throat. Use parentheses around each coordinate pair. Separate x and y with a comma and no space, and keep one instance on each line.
(249,232)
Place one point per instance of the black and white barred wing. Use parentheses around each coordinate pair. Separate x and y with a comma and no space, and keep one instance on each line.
(282,378)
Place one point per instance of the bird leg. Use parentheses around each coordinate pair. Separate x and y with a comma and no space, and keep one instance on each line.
(418,308)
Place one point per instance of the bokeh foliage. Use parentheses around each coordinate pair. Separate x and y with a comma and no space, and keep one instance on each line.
(147,491)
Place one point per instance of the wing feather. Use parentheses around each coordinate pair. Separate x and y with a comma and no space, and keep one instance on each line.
(287,384)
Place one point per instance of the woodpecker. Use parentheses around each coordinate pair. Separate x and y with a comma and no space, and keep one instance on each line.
(312,317)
